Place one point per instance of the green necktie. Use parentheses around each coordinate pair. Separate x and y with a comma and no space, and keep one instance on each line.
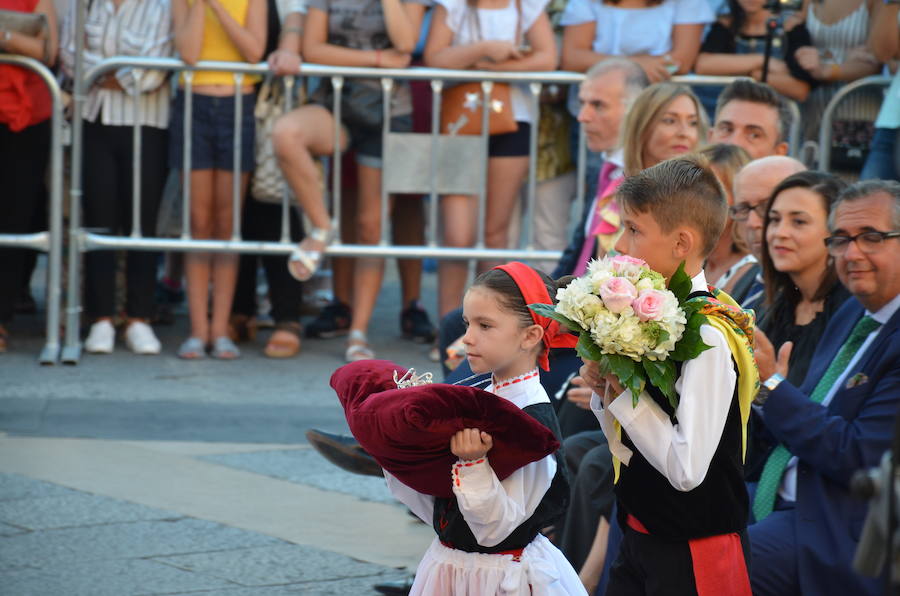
(770,479)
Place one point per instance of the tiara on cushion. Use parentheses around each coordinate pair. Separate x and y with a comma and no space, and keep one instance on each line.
(411,379)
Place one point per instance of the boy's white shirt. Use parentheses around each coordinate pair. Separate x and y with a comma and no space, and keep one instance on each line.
(681,452)
(492,508)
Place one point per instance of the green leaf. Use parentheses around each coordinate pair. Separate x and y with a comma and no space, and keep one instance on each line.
(662,376)
(587,349)
(691,343)
(549,311)
(680,284)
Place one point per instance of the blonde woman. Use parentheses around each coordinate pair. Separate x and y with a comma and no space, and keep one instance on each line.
(666,120)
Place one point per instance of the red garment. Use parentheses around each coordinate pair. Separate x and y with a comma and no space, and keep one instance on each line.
(534,291)
(24,98)
(408,430)
(718,561)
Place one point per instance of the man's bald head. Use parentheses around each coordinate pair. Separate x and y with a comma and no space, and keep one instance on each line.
(752,187)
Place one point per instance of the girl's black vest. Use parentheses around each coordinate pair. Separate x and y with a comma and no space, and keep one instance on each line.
(452,529)
(719,505)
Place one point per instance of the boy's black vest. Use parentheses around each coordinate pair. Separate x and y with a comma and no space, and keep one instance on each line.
(453,530)
(719,505)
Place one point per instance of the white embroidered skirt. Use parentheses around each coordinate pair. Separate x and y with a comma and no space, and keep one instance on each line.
(541,571)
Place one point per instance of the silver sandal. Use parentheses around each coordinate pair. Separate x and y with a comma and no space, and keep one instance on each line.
(358,351)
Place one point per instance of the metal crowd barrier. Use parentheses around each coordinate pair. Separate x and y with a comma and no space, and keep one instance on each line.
(828,114)
(433,145)
(51,240)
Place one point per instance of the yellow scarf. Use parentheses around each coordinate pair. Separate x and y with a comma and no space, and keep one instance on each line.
(737,325)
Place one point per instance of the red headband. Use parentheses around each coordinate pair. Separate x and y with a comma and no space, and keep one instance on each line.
(534,291)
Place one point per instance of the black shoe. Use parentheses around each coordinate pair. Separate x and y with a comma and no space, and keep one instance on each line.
(334,320)
(415,324)
(401,587)
(344,452)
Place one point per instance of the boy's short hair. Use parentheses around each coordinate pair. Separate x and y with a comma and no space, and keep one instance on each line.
(680,191)
(746,89)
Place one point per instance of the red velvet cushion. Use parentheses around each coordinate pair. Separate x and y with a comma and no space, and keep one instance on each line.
(408,430)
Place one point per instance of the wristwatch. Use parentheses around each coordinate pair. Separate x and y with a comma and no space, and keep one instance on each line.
(767,387)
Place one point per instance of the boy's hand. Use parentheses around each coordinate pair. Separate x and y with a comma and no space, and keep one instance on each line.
(580,393)
(470,444)
(590,374)
(766,361)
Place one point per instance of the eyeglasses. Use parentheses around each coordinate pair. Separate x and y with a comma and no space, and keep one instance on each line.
(742,212)
(867,242)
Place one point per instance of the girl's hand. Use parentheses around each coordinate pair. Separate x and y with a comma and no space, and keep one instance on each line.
(284,62)
(655,67)
(470,444)
(500,51)
(808,58)
(391,58)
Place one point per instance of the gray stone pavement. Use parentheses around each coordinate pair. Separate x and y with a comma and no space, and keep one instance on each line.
(129,475)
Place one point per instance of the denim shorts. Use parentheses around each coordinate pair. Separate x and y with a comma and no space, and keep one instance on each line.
(367,141)
(212,132)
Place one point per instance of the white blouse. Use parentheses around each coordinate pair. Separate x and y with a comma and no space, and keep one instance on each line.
(496,24)
(136,28)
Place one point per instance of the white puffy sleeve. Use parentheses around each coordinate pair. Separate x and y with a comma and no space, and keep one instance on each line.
(494,509)
(420,504)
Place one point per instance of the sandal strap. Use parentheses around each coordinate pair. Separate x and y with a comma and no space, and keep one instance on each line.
(289,326)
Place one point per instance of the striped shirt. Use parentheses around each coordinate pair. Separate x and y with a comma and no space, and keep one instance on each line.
(134,28)
(834,43)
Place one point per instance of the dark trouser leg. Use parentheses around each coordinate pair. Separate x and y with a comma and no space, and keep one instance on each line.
(23,163)
(773,548)
(285,292)
(244,302)
(649,566)
(590,463)
(101,205)
(141,265)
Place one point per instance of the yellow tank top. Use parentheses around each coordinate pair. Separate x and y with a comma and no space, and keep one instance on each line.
(218,46)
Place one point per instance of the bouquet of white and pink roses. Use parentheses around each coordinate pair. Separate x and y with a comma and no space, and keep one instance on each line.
(630,322)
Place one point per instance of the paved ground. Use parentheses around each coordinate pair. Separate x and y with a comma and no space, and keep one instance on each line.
(130,475)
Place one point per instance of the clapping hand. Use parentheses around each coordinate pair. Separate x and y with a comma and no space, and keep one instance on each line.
(470,444)
(580,393)
(766,361)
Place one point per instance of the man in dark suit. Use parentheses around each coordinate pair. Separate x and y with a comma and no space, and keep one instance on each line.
(840,420)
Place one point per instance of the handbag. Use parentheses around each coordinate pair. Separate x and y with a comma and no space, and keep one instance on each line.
(268,181)
(462,105)
(26,23)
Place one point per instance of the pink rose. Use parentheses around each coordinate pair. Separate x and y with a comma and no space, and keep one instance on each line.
(621,263)
(648,306)
(617,294)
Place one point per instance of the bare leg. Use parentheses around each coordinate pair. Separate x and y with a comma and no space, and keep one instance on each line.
(224,266)
(369,271)
(409,230)
(197,265)
(505,177)
(458,213)
(298,137)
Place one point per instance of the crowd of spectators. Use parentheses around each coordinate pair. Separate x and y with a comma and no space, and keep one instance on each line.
(813,51)
(806,250)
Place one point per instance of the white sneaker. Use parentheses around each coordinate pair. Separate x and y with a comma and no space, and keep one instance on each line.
(101,338)
(140,339)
